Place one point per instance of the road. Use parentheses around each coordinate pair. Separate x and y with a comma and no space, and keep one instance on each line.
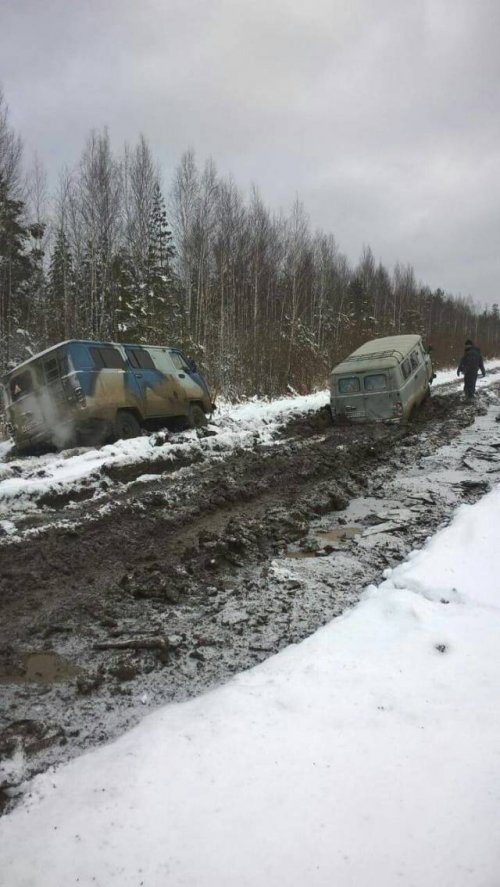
(155,570)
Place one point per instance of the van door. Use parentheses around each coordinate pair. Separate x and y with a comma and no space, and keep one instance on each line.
(349,397)
(419,379)
(112,386)
(192,387)
(378,397)
(158,391)
(24,410)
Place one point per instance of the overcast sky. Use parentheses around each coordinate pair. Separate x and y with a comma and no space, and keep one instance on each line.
(381,115)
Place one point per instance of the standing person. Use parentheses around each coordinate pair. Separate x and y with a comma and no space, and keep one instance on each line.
(470,365)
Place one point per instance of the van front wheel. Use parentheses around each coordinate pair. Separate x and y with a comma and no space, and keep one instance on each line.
(126,426)
(196,417)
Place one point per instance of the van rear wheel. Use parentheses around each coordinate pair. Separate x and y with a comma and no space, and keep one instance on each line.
(196,417)
(125,426)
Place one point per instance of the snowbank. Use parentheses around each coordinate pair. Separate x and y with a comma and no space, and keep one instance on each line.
(366,755)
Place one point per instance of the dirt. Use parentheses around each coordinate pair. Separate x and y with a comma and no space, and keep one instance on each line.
(183,580)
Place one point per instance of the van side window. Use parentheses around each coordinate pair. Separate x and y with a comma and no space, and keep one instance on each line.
(106,357)
(163,362)
(415,360)
(350,385)
(377,382)
(140,359)
(51,368)
(178,361)
(406,368)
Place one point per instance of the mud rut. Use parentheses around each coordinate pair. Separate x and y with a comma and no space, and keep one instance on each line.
(173,589)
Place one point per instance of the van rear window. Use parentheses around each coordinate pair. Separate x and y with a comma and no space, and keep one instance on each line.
(21,385)
(377,382)
(349,385)
(108,358)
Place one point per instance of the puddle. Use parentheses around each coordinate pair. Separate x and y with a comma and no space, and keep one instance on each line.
(339,534)
(298,555)
(38,668)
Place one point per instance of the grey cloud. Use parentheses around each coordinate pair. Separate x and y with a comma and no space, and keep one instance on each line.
(382,117)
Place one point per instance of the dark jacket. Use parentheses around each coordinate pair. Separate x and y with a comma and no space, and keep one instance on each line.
(472,361)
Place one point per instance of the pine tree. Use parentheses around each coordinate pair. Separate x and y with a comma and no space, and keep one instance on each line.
(163,310)
(129,306)
(161,250)
(360,309)
(18,266)
(61,291)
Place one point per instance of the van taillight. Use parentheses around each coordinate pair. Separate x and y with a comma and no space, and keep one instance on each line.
(79,395)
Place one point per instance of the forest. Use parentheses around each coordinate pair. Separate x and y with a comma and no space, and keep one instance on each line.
(263,302)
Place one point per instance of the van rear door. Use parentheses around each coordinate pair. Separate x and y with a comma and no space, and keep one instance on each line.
(378,398)
(349,397)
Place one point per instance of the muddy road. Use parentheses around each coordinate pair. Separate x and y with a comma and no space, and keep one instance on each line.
(153,581)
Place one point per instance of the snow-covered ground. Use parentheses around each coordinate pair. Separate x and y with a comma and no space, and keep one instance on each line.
(445,377)
(366,755)
(23,481)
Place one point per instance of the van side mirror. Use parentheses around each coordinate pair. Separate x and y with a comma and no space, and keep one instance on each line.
(192,365)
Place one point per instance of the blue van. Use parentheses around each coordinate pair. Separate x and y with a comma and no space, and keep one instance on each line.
(83,392)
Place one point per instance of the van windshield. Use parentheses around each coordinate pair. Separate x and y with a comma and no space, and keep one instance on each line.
(377,382)
(349,385)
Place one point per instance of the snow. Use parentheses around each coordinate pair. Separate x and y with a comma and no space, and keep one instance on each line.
(366,755)
(24,481)
(447,376)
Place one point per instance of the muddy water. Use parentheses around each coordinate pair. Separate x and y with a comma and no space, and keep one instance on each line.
(338,534)
(39,668)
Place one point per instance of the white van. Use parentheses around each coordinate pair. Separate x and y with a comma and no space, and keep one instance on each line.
(383,379)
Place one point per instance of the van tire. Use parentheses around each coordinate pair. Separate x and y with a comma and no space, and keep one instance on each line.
(196,417)
(126,426)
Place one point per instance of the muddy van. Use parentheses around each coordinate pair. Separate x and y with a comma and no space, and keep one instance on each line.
(383,379)
(83,392)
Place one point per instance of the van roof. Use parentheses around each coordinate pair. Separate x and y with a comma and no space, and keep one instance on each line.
(378,354)
(30,360)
